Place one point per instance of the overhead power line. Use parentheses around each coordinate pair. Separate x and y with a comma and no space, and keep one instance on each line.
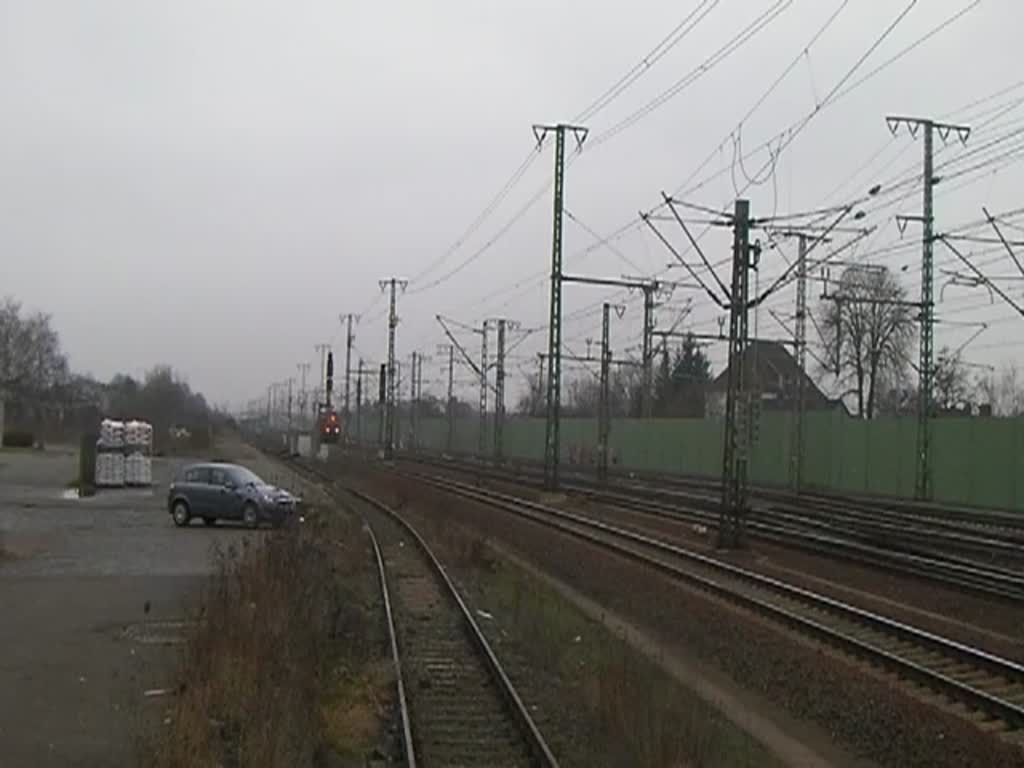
(625,259)
(843,87)
(519,214)
(667,43)
(506,188)
(720,55)
(836,93)
(677,35)
(818,108)
(786,138)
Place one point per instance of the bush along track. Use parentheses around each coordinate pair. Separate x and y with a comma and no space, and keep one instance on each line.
(286,663)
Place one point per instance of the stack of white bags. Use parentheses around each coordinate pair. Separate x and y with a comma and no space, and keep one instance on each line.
(123,454)
(110,470)
(138,440)
(111,434)
(138,434)
(138,469)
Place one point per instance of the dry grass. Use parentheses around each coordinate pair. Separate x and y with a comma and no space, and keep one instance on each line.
(273,667)
(645,718)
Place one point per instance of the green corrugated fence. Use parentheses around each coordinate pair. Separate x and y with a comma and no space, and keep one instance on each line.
(975,461)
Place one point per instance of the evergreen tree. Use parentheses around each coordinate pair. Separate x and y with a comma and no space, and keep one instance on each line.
(682,381)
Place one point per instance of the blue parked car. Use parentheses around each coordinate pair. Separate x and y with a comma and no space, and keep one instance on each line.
(216,491)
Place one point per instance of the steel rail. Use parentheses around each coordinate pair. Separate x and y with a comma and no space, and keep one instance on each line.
(403,705)
(540,752)
(539,749)
(936,566)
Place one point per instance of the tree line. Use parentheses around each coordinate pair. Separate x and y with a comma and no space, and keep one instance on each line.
(870,331)
(680,386)
(867,327)
(42,394)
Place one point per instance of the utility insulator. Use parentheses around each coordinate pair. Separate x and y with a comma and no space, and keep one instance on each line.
(382,391)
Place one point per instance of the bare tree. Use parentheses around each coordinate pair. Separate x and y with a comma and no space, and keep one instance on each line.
(952,390)
(32,365)
(532,401)
(868,328)
(1004,391)
(582,395)
(952,386)
(627,387)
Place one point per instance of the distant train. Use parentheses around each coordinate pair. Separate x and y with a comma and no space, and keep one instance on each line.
(328,422)
(330,426)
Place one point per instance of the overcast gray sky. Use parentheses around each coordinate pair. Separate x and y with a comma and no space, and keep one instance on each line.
(209,184)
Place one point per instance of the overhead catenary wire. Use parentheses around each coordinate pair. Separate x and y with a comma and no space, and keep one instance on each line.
(675,36)
(791,133)
(519,214)
(476,223)
(735,43)
(685,27)
(753,109)
(836,93)
(977,124)
(700,71)
(625,259)
(833,96)
(541,277)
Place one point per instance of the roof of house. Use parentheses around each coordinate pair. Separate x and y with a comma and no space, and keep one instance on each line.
(769,355)
(777,371)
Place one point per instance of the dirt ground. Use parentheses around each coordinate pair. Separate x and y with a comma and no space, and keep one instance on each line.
(93,593)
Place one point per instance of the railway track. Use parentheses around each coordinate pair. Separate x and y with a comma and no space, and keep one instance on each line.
(963,574)
(915,517)
(457,706)
(986,536)
(978,685)
(879,547)
(989,525)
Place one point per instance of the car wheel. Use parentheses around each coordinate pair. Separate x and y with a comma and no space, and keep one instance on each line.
(181,514)
(250,515)
(210,520)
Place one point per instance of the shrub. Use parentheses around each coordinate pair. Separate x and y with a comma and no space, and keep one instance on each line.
(259,660)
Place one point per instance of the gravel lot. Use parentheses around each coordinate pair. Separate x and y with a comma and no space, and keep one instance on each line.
(92,593)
